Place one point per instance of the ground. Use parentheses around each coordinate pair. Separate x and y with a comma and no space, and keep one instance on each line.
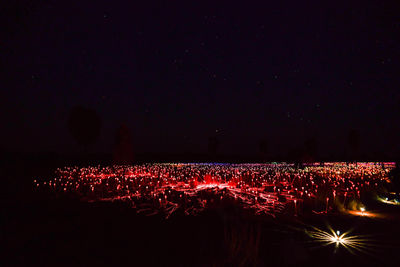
(42,230)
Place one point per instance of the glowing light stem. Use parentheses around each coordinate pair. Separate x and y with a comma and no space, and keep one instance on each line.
(327,202)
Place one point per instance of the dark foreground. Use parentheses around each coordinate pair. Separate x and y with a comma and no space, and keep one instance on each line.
(38,230)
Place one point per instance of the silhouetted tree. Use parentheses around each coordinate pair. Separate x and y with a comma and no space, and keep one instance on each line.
(213,144)
(311,146)
(353,141)
(84,125)
(263,146)
(295,155)
(123,153)
(394,176)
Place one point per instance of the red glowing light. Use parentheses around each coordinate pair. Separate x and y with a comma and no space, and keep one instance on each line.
(263,188)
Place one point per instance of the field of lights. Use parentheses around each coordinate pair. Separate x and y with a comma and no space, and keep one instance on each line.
(264,189)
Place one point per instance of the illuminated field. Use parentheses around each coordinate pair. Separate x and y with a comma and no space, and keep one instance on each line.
(269,189)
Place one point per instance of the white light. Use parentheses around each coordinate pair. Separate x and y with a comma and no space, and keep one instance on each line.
(362,209)
(338,232)
(336,239)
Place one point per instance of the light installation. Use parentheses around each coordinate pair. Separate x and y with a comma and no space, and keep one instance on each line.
(268,189)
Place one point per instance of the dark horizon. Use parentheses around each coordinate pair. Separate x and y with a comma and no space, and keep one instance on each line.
(269,81)
(85,159)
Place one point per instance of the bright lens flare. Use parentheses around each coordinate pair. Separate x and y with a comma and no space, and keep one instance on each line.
(350,243)
(337,239)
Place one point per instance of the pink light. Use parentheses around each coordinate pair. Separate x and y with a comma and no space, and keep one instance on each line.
(264,188)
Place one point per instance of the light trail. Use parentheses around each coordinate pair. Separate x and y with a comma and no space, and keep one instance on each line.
(389,201)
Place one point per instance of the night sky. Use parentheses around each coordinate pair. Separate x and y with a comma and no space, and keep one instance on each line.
(179,73)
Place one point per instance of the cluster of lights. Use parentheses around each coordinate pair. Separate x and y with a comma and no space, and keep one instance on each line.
(263,188)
